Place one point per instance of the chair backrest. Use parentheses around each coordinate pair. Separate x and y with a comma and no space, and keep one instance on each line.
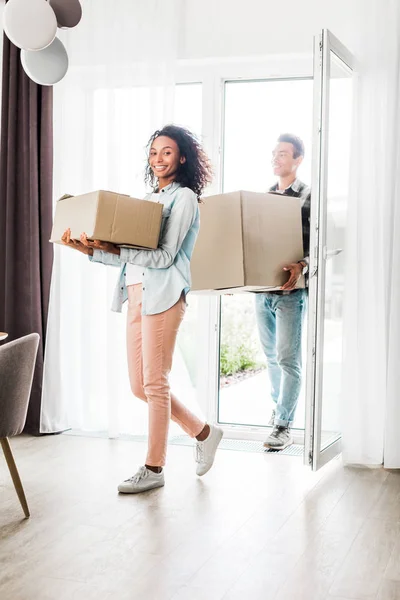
(17,364)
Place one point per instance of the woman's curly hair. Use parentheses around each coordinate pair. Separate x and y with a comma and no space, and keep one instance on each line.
(196,172)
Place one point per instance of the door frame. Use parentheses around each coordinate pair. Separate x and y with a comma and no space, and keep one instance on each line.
(238,431)
(324,44)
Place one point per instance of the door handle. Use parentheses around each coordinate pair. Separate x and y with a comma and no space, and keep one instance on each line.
(331,253)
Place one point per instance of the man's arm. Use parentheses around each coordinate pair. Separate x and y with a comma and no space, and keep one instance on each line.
(305,220)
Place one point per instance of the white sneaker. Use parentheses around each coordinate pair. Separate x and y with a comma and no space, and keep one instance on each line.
(279,439)
(141,482)
(205,451)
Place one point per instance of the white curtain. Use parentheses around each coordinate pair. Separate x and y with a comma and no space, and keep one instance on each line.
(119,89)
(371,418)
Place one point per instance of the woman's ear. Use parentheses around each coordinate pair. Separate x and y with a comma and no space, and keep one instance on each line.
(182,160)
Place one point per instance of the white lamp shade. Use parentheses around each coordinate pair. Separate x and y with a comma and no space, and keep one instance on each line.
(29,24)
(47,66)
(68,12)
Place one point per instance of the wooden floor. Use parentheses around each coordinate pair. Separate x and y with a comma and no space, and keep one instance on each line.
(257,527)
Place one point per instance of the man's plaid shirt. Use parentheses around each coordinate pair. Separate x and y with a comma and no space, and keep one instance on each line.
(298,189)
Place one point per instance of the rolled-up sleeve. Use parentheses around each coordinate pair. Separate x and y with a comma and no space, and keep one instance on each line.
(106,258)
(178,224)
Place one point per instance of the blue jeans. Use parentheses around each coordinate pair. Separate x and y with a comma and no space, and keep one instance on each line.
(280,320)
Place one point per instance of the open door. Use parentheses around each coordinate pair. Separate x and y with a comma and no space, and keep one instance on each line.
(333,82)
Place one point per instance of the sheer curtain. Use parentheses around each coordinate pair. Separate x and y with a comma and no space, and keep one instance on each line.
(120,88)
(371,418)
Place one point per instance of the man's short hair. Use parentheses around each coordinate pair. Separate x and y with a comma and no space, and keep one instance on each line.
(298,144)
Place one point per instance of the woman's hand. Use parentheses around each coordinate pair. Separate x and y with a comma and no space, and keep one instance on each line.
(68,241)
(98,245)
(295,270)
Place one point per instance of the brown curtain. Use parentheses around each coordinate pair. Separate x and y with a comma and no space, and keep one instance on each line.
(26,173)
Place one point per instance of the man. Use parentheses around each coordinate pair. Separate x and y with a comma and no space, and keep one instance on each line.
(280,314)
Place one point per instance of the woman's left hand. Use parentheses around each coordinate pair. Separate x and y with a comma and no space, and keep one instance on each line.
(98,245)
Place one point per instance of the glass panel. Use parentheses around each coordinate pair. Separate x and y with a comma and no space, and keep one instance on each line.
(245,391)
(338,144)
(273,108)
(243,378)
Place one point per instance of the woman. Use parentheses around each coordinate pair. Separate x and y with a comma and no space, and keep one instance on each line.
(155,283)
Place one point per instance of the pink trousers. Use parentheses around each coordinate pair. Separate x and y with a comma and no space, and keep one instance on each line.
(150,343)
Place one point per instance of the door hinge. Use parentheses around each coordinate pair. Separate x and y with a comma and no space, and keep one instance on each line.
(310,458)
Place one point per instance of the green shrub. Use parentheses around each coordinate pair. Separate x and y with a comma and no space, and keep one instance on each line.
(236,358)
(240,347)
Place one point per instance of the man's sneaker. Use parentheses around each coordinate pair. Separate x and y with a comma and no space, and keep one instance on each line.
(205,451)
(271,422)
(279,439)
(141,482)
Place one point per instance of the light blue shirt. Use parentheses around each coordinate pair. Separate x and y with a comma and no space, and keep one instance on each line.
(166,270)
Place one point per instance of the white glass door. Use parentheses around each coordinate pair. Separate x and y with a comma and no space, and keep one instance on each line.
(333,79)
(249,137)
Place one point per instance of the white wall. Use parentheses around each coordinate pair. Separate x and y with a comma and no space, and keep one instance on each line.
(221,28)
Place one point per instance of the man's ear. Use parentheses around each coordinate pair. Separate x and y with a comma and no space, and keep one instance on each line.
(299,160)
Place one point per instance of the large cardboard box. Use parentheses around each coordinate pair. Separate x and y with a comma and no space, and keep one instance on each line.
(245,240)
(109,217)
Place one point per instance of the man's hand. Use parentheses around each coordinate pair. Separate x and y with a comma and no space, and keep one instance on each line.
(296,270)
(76,244)
(98,245)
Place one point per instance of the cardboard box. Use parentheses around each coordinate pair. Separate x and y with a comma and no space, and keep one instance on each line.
(245,240)
(109,217)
